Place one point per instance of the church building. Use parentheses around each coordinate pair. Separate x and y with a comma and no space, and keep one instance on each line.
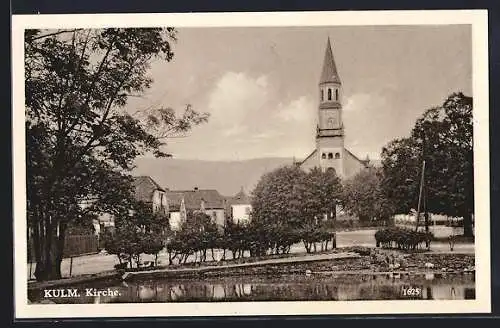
(330,152)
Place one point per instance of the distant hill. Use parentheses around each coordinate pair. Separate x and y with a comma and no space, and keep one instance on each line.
(226,176)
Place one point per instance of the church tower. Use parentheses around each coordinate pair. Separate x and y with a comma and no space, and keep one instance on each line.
(330,129)
(330,152)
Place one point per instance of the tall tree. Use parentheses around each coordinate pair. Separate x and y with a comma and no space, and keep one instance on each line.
(321,193)
(276,199)
(442,137)
(81,141)
(363,196)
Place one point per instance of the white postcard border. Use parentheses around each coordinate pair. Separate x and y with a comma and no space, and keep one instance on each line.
(478,20)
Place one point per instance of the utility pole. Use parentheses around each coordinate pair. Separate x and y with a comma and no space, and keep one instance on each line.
(420,195)
(424,182)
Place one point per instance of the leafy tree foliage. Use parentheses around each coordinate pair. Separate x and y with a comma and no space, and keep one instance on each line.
(196,235)
(137,231)
(363,196)
(321,192)
(442,137)
(277,197)
(290,205)
(81,140)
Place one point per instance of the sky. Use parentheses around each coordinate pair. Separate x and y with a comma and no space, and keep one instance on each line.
(260,85)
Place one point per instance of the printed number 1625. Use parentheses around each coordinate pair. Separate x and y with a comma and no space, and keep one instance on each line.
(411,291)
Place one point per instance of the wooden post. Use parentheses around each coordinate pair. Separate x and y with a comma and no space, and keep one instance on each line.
(70,265)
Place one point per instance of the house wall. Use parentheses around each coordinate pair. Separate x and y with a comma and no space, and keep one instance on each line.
(218,215)
(241,213)
(160,201)
(175,221)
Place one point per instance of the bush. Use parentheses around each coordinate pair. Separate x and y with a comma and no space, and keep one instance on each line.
(322,232)
(400,238)
(121,266)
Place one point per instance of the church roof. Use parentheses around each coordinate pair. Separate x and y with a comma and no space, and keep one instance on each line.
(329,73)
(309,156)
(239,199)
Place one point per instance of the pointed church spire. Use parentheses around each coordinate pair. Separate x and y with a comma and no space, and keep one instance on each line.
(241,193)
(329,73)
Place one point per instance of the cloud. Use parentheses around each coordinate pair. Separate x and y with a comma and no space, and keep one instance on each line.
(297,110)
(361,101)
(365,120)
(234,130)
(235,97)
(250,118)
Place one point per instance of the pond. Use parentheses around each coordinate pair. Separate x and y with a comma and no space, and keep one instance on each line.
(316,287)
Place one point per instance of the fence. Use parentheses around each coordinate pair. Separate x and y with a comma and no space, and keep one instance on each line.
(74,245)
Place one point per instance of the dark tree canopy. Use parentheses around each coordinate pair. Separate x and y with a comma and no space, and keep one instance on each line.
(81,139)
(442,137)
(363,196)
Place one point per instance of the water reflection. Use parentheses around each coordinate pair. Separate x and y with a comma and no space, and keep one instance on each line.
(312,288)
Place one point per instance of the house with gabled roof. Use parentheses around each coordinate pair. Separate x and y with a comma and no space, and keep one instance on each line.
(238,207)
(146,190)
(208,201)
(150,192)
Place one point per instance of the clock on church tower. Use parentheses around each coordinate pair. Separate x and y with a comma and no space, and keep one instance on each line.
(333,121)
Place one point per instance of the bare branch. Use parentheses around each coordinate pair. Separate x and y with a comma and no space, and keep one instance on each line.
(56,33)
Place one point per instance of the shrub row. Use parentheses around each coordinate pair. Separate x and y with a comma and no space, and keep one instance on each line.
(401,238)
(252,239)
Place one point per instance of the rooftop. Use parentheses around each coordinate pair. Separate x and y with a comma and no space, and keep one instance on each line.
(193,199)
(144,187)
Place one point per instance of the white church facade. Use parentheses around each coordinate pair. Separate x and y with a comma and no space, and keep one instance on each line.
(330,152)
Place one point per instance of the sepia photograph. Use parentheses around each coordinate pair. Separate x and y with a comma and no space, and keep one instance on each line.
(251,163)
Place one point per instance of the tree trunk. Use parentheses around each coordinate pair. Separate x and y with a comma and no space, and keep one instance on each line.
(306,247)
(170,259)
(468,231)
(48,248)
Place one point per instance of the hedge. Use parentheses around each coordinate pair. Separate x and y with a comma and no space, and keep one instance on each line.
(401,238)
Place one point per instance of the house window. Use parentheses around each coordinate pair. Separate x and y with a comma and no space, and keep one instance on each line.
(330,155)
(329,94)
(323,156)
(337,155)
(247,210)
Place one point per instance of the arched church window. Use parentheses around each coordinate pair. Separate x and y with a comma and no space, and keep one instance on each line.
(337,94)
(329,94)
(330,155)
(322,95)
(323,156)
(337,155)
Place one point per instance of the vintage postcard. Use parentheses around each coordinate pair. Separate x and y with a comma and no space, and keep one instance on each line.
(251,164)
